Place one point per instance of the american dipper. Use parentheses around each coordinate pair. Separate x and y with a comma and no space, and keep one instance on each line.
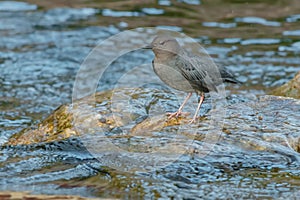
(185,71)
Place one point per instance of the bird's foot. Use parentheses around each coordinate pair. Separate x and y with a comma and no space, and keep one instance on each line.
(193,120)
(176,114)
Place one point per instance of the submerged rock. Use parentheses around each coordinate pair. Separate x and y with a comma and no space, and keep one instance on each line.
(105,110)
(7,195)
(57,126)
(289,89)
(127,114)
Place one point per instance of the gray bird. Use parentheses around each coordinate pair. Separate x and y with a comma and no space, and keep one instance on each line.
(185,71)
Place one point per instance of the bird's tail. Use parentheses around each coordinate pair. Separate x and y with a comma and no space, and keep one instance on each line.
(233,80)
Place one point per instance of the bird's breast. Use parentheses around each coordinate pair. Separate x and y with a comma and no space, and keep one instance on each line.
(171,76)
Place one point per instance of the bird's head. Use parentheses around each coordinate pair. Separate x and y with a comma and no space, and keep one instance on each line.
(164,46)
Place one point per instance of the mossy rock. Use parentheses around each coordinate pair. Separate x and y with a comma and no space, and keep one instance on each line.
(9,195)
(123,116)
(57,126)
(289,89)
(92,113)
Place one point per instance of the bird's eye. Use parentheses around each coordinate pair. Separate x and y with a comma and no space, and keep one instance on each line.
(162,42)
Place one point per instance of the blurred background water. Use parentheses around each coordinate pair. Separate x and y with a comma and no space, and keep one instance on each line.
(42,45)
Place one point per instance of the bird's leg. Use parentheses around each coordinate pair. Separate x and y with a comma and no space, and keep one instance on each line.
(198,108)
(179,111)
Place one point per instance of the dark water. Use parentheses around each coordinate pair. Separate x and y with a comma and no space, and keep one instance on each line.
(40,54)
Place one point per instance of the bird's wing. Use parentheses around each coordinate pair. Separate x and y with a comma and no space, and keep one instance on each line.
(197,73)
(228,76)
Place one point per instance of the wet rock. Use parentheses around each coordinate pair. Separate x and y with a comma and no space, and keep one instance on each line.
(56,127)
(105,110)
(126,117)
(25,195)
(290,89)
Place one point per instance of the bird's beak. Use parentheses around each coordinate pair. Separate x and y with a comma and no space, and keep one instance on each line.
(149,46)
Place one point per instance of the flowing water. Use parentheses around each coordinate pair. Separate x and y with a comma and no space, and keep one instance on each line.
(42,48)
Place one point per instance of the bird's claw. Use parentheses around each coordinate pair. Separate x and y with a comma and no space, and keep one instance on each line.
(177,114)
(193,120)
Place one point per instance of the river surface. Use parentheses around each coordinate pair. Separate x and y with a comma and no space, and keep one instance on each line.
(43,46)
